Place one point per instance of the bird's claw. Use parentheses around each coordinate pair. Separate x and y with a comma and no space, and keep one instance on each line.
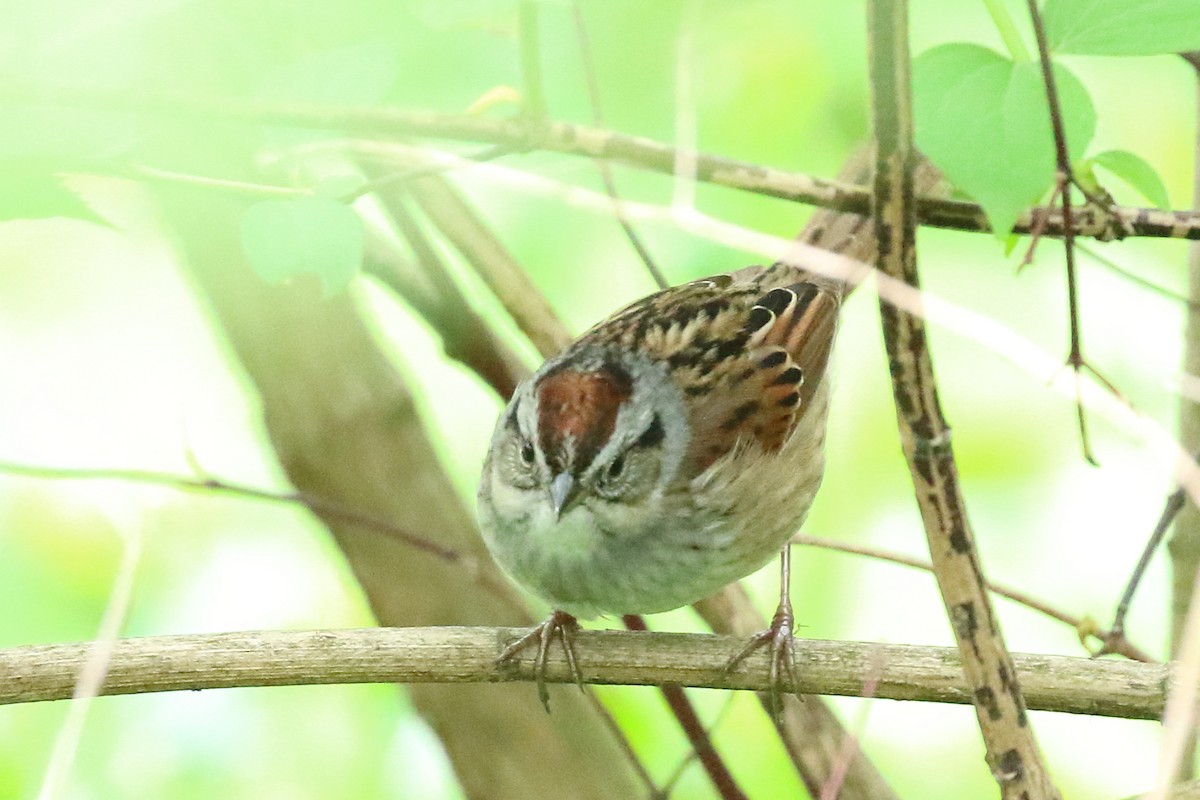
(780,638)
(565,626)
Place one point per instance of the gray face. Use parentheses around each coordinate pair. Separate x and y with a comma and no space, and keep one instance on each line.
(599,432)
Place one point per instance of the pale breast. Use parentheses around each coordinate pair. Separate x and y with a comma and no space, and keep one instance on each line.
(736,518)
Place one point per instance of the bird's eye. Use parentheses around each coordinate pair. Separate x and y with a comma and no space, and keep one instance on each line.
(616,467)
(527,453)
(652,436)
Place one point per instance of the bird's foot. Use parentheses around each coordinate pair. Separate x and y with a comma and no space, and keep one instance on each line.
(565,626)
(781,640)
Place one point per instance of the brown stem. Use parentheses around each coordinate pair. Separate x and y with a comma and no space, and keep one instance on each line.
(1012,751)
(523,133)
(462,227)
(1116,634)
(1065,181)
(696,734)
(432,294)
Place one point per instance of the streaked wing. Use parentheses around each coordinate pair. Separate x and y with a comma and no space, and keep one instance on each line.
(749,348)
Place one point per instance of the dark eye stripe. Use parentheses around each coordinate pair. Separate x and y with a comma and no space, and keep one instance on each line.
(510,417)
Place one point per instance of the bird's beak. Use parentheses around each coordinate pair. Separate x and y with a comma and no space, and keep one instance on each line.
(562,492)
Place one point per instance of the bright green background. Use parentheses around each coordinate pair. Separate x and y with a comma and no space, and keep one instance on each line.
(108,361)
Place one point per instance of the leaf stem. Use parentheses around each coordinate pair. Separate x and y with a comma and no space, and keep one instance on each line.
(1008,30)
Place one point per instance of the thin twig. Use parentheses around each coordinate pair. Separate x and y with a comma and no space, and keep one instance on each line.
(1035,236)
(606,175)
(153,173)
(1134,278)
(1083,626)
(626,746)
(366,122)
(336,510)
(681,768)
(1065,181)
(1013,755)
(432,293)
(95,666)
(1115,638)
(694,729)
(533,104)
(183,483)
(403,176)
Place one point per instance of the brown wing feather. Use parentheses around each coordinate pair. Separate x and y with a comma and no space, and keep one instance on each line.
(771,386)
(749,349)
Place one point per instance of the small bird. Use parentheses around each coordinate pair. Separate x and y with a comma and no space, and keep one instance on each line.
(670,450)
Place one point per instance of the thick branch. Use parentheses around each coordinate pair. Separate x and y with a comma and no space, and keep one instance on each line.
(1184,545)
(1124,689)
(1012,751)
(581,140)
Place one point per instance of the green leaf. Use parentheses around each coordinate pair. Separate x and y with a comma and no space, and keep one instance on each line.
(356,74)
(984,120)
(1137,172)
(1122,27)
(283,239)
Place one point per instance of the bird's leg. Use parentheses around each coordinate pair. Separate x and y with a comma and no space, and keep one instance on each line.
(779,637)
(565,626)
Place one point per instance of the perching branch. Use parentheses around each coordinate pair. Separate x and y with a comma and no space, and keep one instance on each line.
(1123,689)
(561,137)
(1012,751)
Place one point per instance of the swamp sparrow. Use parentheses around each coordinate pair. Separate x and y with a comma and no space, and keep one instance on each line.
(670,450)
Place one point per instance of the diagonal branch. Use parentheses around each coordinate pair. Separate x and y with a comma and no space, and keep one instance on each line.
(581,140)
(685,712)
(1012,751)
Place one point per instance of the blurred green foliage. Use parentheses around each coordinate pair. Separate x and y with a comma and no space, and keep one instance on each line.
(109,360)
